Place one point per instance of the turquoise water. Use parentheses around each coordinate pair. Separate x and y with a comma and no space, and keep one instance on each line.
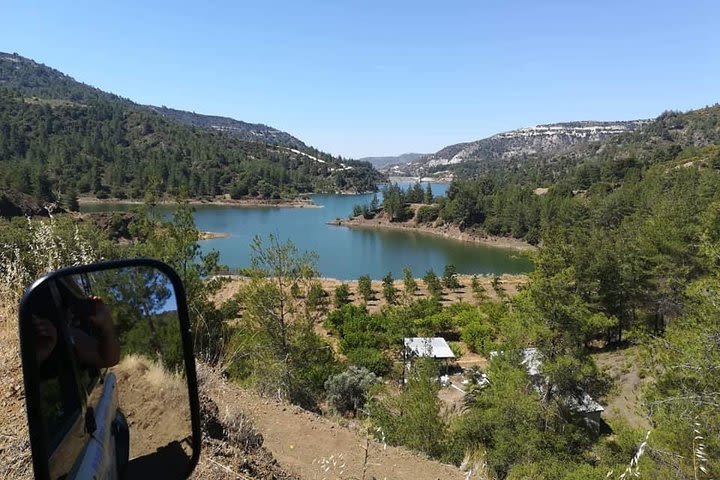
(344,253)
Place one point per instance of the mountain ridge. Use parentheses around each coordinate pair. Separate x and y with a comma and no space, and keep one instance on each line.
(37,79)
(62,138)
(493,150)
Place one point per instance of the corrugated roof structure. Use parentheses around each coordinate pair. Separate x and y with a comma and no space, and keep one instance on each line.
(581,402)
(434,347)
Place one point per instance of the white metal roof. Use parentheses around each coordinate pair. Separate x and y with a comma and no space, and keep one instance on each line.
(532,360)
(581,402)
(435,347)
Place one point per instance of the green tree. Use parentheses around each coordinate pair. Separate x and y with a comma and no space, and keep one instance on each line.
(433,284)
(288,359)
(342,295)
(409,282)
(176,243)
(316,302)
(478,290)
(389,290)
(365,288)
(450,279)
(414,418)
(428,195)
(70,200)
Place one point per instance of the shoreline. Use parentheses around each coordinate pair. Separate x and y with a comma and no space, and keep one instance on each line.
(447,231)
(219,201)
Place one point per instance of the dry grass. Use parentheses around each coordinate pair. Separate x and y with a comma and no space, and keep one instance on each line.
(48,249)
(15,460)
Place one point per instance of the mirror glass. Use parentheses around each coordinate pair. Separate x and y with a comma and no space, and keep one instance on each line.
(113,393)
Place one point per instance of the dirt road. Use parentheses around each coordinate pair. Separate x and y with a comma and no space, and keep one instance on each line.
(318,448)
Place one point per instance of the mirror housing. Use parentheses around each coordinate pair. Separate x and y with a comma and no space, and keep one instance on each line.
(162,463)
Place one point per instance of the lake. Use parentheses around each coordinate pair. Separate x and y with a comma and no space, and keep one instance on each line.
(344,253)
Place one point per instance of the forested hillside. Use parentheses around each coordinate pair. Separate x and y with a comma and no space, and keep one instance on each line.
(34,79)
(603,178)
(60,138)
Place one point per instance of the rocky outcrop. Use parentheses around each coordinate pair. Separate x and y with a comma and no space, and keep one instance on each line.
(504,147)
(16,204)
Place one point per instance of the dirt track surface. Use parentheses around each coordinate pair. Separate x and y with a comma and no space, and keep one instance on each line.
(155,404)
(625,402)
(314,447)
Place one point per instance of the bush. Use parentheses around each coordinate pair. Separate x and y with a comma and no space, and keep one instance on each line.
(479,337)
(433,283)
(342,295)
(450,277)
(337,318)
(427,214)
(347,391)
(365,288)
(372,359)
(389,290)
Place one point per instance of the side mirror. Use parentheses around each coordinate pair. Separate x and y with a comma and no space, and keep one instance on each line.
(110,382)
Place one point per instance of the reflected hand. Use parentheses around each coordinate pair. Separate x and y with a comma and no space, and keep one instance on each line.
(45,338)
(101,317)
(102,348)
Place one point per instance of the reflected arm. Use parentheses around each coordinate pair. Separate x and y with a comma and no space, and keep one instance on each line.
(103,351)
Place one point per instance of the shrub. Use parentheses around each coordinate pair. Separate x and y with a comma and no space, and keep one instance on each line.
(409,281)
(427,214)
(450,277)
(433,283)
(365,288)
(342,295)
(372,359)
(347,391)
(479,337)
(337,318)
(389,291)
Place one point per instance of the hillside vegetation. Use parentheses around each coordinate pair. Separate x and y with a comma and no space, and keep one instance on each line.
(60,138)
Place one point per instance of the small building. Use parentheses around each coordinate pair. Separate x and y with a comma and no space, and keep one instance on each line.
(432,347)
(580,402)
(427,347)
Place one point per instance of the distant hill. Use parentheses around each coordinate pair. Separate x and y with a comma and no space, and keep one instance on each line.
(60,138)
(381,162)
(35,79)
(515,144)
(251,132)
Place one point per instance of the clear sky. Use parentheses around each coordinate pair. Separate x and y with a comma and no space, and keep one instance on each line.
(384,77)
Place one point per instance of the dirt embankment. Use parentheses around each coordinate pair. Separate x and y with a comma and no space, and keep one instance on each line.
(313,447)
(625,401)
(381,220)
(16,204)
(156,406)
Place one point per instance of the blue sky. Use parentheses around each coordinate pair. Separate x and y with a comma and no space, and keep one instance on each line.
(384,77)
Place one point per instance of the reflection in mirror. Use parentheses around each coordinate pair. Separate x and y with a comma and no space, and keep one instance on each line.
(112,387)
